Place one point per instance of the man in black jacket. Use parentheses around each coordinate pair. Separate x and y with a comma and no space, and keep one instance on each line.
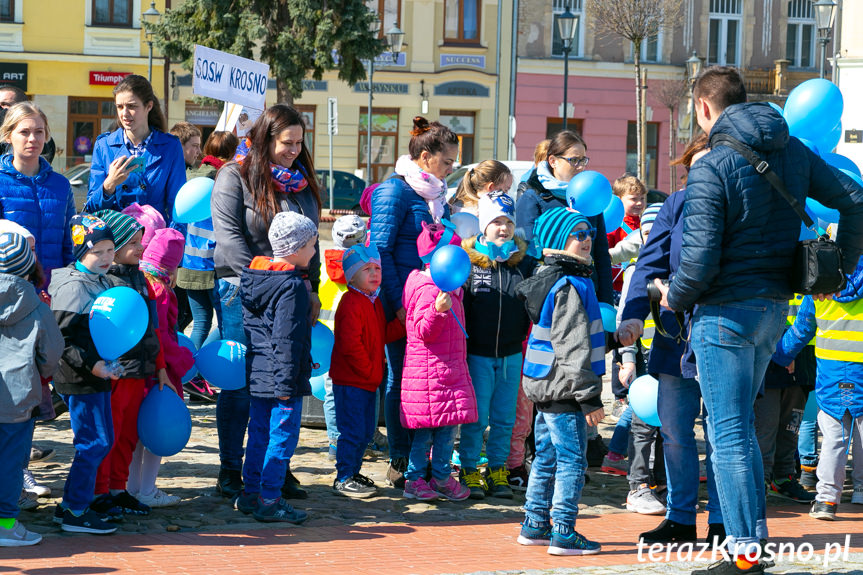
(9,96)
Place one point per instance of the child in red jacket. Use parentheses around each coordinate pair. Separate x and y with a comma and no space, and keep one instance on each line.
(357,365)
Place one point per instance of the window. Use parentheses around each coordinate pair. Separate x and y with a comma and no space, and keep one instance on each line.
(723,45)
(558,7)
(651,49)
(651,148)
(555,125)
(385,133)
(88,117)
(388,11)
(462,123)
(7,10)
(800,43)
(112,13)
(308,114)
(461,21)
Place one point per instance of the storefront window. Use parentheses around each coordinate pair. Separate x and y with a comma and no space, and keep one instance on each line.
(88,117)
(462,123)
(385,125)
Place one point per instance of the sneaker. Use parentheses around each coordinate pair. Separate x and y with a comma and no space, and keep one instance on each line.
(159,499)
(702,471)
(378,446)
(246,503)
(230,482)
(791,489)
(533,533)
(58,514)
(60,406)
(291,487)
(420,489)
(27,501)
(724,567)
(596,451)
(396,472)
(39,455)
(199,390)
(450,489)
(857,496)
(474,481)
(617,410)
(669,532)
(357,486)
(279,511)
(518,477)
(104,505)
(823,510)
(31,486)
(572,543)
(615,464)
(644,501)
(498,483)
(87,522)
(808,477)
(130,505)
(18,536)
(331,452)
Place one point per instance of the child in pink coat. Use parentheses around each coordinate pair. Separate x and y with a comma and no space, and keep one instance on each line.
(437,394)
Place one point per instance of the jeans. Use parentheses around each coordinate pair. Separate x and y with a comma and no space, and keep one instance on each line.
(92,436)
(807,439)
(274,428)
(355,417)
(679,404)
(620,438)
(778,414)
(232,407)
(733,344)
(438,440)
(202,305)
(330,411)
(15,442)
(557,472)
(398,436)
(495,382)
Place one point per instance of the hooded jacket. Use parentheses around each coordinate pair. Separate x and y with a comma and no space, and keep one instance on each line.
(495,318)
(276,304)
(140,362)
(739,234)
(174,357)
(44,205)
(30,347)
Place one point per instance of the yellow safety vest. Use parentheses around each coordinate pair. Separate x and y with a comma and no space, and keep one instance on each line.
(330,293)
(649,330)
(840,330)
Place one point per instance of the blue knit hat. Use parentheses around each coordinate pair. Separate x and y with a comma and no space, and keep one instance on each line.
(355,257)
(650,213)
(552,229)
(87,231)
(16,257)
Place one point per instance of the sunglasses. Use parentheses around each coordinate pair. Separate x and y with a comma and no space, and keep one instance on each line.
(581,235)
(577,161)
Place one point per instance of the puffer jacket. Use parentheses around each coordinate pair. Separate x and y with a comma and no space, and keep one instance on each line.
(44,205)
(140,362)
(495,318)
(30,347)
(275,299)
(397,216)
(436,385)
(178,359)
(739,234)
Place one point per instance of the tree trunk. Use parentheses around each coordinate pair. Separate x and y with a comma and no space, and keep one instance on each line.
(283,93)
(638,119)
(672,139)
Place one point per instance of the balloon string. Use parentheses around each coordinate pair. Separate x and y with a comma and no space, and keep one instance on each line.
(459,323)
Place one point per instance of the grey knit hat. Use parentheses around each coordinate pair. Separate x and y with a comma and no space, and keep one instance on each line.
(16,257)
(289,232)
(349,231)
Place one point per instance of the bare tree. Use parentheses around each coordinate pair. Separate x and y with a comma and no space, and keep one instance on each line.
(636,21)
(669,93)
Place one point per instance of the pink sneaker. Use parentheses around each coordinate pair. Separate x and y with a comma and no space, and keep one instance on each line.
(419,489)
(450,489)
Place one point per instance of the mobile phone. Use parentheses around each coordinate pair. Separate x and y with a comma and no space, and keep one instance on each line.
(137,165)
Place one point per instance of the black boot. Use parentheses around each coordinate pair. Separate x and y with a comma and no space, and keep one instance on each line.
(291,488)
(230,482)
(715,532)
(670,532)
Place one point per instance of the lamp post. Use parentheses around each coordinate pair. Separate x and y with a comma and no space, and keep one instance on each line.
(825,11)
(566,27)
(150,18)
(693,69)
(395,39)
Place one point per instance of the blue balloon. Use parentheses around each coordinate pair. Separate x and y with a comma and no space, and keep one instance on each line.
(450,267)
(609,317)
(223,364)
(186,342)
(164,423)
(822,212)
(811,145)
(854,176)
(830,140)
(466,224)
(806,233)
(841,162)
(776,107)
(323,341)
(214,335)
(613,214)
(813,109)
(318,386)
(588,193)
(192,203)
(643,394)
(118,320)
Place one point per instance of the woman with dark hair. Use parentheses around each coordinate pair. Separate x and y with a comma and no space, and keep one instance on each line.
(414,195)
(139,161)
(272,172)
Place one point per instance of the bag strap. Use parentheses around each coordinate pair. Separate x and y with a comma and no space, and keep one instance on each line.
(762,167)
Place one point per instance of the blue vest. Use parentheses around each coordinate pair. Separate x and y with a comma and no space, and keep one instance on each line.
(200,246)
(539,357)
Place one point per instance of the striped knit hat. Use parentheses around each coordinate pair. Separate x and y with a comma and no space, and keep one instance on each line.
(16,257)
(124,227)
(650,213)
(552,229)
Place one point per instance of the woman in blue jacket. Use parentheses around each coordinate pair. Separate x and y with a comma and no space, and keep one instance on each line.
(117,176)
(413,195)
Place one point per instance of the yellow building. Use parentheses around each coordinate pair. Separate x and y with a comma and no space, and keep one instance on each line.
(68,55)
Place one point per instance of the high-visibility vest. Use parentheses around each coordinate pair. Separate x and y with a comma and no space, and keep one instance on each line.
(840,330)
(649,331)
(330,293)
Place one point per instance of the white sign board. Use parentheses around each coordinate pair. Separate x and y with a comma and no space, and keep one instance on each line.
(229,78)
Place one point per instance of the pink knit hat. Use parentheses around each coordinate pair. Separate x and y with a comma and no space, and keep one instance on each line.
(147,216)
(436,236)
(165,249)
(366,199)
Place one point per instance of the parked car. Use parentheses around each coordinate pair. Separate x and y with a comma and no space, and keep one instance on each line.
(346,193)
(517,167)
(79,178)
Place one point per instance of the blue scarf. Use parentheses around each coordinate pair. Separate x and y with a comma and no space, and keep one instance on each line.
(550,183)
(494,252)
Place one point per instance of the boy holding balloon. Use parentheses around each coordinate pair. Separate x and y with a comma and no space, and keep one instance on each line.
(563,369)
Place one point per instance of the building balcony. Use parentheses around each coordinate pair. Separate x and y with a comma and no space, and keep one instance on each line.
(774,83)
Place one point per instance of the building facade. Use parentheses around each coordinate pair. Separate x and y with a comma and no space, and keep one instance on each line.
(849,77)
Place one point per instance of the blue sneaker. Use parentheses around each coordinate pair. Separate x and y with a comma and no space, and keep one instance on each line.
(572,543)
(533,533)
(246,502)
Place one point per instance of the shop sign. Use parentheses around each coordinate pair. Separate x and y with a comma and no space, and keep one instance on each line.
(107,78)
(202,115)
(469,89)
(14,74)
(462,60)
(382,88)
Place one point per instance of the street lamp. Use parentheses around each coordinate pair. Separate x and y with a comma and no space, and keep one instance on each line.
(566,26)
(395,38)
(693,69)
(151,17)
(825,10)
